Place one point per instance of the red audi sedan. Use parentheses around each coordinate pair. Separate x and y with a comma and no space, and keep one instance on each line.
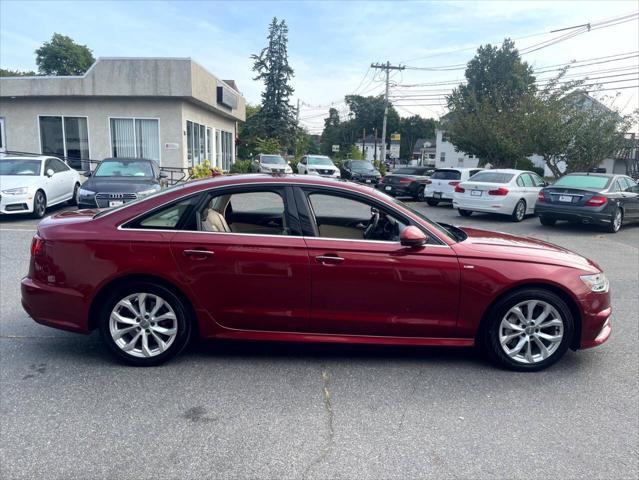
(304,259)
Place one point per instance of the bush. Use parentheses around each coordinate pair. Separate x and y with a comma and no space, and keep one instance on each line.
(241,166)
(204,170)
(294,163)
(381,166)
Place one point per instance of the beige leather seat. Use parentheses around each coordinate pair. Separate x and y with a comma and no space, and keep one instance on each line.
(215,222)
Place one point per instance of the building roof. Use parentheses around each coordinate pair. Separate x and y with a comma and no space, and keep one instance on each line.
(369,139)
(136,77)
(419,144)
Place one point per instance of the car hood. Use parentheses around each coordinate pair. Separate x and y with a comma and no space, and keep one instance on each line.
(110,184)
(505,246)
(17,181)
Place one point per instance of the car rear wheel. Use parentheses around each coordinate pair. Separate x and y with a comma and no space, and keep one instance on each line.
(432,202)
(420,194)
(519,212)
(144,324)
(547,221)
(616,220)
(39,204)
(465,213)
(528,330)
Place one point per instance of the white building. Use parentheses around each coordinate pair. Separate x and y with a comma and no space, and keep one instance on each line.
(446,156)
(370,147)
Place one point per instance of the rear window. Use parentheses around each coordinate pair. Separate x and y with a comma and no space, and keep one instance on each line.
(446,175)
(582,181)
(492,177)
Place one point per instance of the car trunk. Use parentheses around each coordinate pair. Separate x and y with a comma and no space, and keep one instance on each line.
(568,196)
(480,189)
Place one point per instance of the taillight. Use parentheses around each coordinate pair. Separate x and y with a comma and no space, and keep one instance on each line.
(428,182)
(501,191)
(37,246)
(459,189)
(540,197)
(454,183)
(405,180)
(596,201)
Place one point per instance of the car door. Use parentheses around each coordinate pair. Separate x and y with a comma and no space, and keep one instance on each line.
(630,198)
(301,167)
(530,191)
(364,286)
(248,280)
(68,178)
(54,184)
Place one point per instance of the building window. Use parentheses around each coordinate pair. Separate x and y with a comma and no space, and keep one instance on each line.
(66,137)
(135,138)
(442,157)
(196,151)
(3,142)
(225,150)
(209,145)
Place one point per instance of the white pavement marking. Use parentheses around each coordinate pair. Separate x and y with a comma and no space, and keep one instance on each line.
(17,229)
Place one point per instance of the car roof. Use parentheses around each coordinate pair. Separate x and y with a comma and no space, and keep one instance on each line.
(592,174)
(127,159)
(26,157)
(507,170)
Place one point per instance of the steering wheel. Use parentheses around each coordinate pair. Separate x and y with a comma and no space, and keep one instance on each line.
(372,224)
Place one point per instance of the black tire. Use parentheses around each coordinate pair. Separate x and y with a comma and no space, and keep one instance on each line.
(519,212)
(547,221)
(39,204)
(432,202)
(74,199)
(183,324)
(420,194)
(465,213)
(489,336)
(616,220)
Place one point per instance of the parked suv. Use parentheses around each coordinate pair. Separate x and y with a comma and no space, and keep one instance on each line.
(119,180)
(270,163)
(318,165)
(442,183)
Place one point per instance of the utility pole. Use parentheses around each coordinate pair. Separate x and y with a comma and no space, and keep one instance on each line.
(387,67)
(297,112)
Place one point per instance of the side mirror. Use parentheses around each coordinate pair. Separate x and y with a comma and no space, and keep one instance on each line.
(412,237)
(50,172)
(257,160)
(87,173)
(163,175)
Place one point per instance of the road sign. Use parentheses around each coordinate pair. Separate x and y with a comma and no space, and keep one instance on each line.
(335,148)
(395,137)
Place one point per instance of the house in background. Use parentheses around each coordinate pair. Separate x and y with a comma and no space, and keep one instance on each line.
(447,155)
(424,152)
(170,110)
(371,147)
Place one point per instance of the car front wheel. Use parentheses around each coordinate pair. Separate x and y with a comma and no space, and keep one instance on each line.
(75,199)
(39,204)
(465,213)
(144,324)
(528,330)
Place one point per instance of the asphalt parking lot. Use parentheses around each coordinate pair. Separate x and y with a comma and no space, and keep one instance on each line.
(251,410)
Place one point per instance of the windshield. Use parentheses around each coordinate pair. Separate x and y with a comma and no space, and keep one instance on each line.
(114,168)
(582,181)
(273,159)
(362,166)
(320,161)
(20,167)
(446,175)
(492,177)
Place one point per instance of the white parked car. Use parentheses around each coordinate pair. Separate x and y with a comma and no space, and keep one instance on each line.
(317,165)
(442,183)
(32,184)
(267,163)
(508,192)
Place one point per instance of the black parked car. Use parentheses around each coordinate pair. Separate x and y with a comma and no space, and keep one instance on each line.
(119,180)
(360,171)
(592,198)
(406,182)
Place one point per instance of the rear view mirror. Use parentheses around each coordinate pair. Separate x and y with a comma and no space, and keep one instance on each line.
(412,237)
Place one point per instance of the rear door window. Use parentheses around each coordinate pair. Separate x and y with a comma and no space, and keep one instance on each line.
(527,180)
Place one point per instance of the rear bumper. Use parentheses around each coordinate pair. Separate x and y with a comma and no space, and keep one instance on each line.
(54,306)
(483,206)
(398,190)
(578,214)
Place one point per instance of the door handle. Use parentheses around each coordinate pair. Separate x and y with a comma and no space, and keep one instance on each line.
(329,259)
(198,254)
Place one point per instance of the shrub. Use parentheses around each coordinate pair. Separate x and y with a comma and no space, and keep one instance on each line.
(204,170)
(241,166)
(294,162)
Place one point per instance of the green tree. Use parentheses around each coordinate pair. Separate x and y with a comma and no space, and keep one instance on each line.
(62,56)
(369,114)
(412,129)
(488,114)
(249,132)
(333,132)
(268,145)
(4,72)
(277,116)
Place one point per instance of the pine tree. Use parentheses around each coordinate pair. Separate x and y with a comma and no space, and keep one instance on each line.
(277,116)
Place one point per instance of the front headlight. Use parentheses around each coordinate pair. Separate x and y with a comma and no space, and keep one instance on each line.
(144,193)
(288,170)
(16,191)
(86,193)
(265,169)
(597,282)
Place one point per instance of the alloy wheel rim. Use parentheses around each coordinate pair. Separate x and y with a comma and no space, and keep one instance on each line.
(143,325)
(39,204)
(531,331)
(520,210)
(616,222)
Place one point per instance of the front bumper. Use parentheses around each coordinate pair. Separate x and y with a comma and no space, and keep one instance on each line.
(335,174)
(595,319)
(16,204)
(577,214)
(54,306)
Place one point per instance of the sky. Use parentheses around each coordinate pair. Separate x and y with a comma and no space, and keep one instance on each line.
(332,44)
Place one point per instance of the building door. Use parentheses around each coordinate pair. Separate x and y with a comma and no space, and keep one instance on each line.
(3,141)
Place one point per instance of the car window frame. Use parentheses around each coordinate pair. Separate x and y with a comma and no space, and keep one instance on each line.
(309,224)
(519,181)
